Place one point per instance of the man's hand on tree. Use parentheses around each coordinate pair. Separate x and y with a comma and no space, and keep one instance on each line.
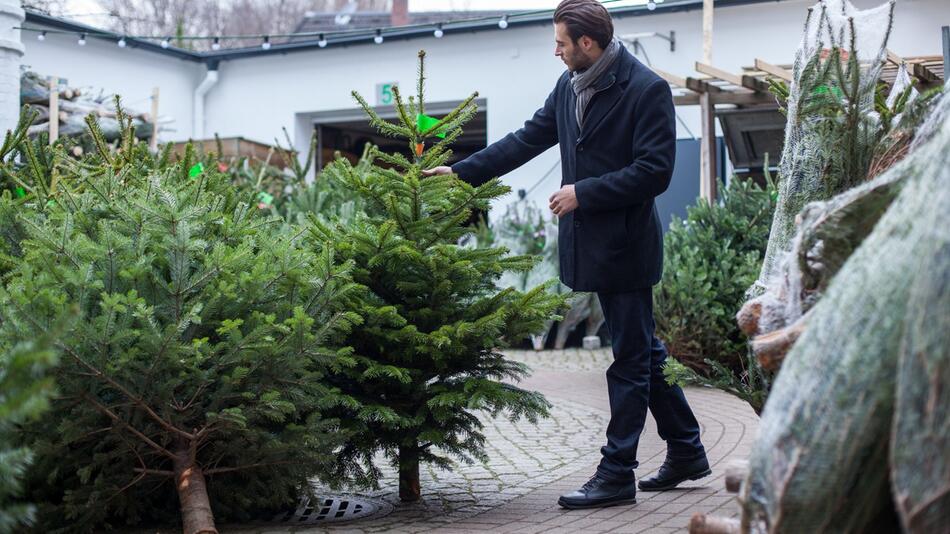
(563,201)
(444,169)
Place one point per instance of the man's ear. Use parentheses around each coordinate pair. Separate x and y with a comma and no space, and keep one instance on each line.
(586,43)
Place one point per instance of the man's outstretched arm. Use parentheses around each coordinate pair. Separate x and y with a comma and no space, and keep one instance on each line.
(538,134)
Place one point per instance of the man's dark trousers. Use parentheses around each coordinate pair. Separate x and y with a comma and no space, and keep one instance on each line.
(634,382)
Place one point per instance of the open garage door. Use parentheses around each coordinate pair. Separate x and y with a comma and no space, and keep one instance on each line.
(348,131)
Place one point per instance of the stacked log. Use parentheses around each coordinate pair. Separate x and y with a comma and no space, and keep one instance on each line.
(74,105)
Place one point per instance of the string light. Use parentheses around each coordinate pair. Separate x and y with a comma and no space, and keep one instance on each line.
(438,31)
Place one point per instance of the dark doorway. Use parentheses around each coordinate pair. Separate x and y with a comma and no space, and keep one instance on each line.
(348,131)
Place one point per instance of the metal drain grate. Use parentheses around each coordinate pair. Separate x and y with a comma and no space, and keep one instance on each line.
(332,510)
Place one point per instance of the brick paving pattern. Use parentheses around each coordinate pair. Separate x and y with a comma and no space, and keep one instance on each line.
(530,465)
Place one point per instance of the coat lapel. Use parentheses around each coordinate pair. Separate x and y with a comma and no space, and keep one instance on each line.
(609,90)
(600,106)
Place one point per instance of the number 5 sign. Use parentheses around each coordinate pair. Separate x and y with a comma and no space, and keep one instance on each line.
(384,94)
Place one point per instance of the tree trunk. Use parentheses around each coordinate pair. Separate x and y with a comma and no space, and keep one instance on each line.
(409,488)
(196,515)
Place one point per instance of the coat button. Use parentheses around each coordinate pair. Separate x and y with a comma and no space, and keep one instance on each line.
(576,223)
(580,148)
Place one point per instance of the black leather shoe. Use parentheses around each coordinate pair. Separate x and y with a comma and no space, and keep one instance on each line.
(672,473)
(600,492)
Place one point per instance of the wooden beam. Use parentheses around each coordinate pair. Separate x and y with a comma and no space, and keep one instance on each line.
(671,79)
(922,73)
(751,82)
(153,142)
(707,31)
(894,58)
(707,148)
(709,70)
(53,109)
(745,80)
(774,70)
(701,86)
(743,99)
(726,97)
(689,99)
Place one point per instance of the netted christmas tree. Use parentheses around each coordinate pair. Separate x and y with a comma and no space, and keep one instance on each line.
(193,377)
(426,361)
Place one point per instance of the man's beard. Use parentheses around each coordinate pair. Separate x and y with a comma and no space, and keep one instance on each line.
(580,61)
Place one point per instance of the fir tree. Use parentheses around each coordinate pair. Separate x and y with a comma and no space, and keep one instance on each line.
(197,364)
(427,357)
(24,393)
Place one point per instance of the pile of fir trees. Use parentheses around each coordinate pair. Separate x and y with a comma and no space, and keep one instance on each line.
(216,359)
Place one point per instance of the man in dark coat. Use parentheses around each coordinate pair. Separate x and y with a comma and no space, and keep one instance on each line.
(614,121)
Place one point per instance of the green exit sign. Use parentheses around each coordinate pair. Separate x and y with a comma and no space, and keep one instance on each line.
(384,94)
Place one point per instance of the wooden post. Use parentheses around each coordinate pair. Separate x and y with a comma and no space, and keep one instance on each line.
(153,142)
(707,151)
(53,109)
(707,31)
(707,148)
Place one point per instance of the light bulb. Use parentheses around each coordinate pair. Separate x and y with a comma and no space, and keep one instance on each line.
(41,36)
(438,32)
(82,39)
(322,43)
(216,44)
(503,23)
(266,44)
(651,5)
(165,43)
(121,43)
(379,37)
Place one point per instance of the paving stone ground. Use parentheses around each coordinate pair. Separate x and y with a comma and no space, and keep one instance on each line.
(530,465)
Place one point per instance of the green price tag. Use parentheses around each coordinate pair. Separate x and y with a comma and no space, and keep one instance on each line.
(196,170)
(822,89)
(425,122)
(20,192)
(265,198)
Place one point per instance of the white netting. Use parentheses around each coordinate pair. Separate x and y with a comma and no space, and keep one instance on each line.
(830,25)
(830,456)
(901,83)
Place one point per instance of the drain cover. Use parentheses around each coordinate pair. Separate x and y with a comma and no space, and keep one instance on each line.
(332,510)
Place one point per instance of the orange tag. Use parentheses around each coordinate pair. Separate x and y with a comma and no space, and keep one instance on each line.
(419,148)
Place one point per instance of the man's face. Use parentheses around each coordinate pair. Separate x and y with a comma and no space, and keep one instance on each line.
(577,56)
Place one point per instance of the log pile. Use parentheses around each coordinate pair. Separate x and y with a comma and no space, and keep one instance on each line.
(74,104)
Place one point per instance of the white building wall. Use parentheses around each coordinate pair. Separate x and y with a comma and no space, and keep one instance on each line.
(512,69)
(132,73)
(515,69)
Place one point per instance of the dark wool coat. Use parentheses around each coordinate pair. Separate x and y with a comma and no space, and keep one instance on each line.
(619,162)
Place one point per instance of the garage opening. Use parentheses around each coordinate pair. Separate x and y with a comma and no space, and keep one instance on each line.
(348,131)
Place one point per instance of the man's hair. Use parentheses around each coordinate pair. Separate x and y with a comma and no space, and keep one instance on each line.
(585,17)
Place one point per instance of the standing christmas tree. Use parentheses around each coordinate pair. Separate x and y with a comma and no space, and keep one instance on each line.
(426,359)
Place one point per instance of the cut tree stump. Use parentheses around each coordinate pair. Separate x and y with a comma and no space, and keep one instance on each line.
(703,524)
